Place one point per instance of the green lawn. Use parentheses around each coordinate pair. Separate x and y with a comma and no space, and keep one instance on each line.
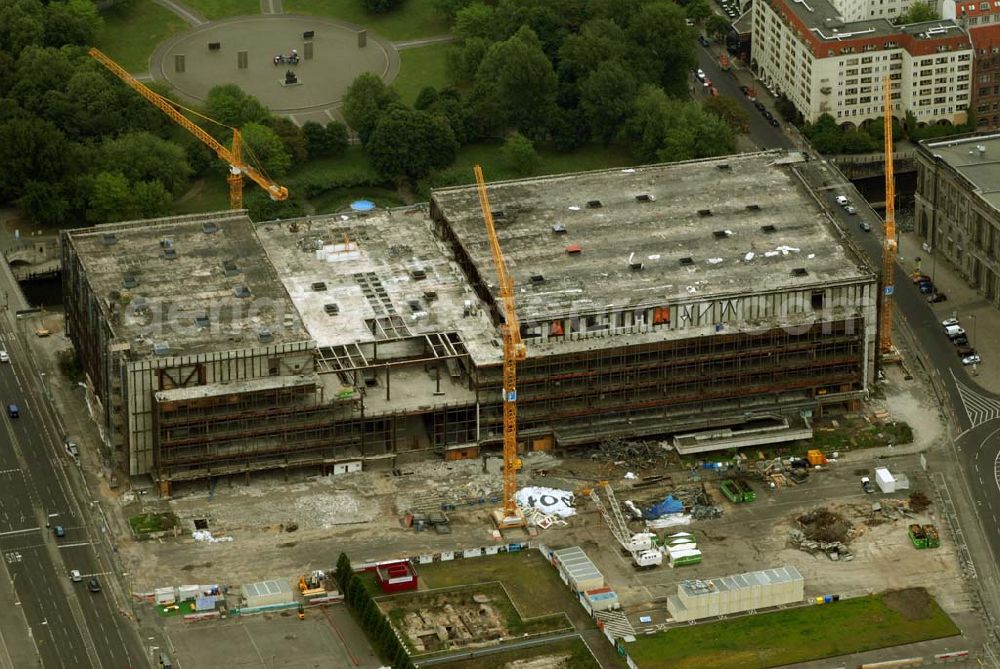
(132,31)
(794,635)
(340,199)
(152,522)
(573,651)
(420,67)
(354,163)
(592,157)
(414,19)
(217,9)
(533,583)
(211,195)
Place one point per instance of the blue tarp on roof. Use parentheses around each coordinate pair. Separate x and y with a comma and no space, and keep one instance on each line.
(362,205)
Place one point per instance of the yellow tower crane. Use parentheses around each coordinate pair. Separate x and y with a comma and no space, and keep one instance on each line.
(889,243)
(237,166)
(509,515)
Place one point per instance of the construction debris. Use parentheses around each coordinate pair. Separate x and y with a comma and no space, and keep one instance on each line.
(635,455)
(835,550)
(706,512)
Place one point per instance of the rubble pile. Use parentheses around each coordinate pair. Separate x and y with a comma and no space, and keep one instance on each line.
(636,455)
(835,550)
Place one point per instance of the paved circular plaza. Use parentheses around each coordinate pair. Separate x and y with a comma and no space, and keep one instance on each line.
(336,60)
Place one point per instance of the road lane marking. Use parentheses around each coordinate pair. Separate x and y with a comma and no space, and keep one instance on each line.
(32,529)
(978,407)
(82,543)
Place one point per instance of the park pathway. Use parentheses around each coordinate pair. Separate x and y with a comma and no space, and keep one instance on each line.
(271,7)
(417,43)
(186,13)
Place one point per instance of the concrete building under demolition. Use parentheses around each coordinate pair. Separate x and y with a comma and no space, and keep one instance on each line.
(710,303)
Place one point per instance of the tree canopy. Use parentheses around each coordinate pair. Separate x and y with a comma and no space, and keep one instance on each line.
(408,144)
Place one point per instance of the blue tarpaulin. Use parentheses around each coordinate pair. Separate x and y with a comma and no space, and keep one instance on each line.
(664,508)
(362,205)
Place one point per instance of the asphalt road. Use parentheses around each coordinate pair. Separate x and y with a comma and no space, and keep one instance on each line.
(70,626)
(761,132)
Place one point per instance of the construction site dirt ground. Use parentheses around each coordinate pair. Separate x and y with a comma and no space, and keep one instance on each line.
(361,514)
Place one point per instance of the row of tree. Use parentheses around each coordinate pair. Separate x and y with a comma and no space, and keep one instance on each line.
(828,137)
(378,628)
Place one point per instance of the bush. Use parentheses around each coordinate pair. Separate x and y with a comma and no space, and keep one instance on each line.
(69,365)
(380,6)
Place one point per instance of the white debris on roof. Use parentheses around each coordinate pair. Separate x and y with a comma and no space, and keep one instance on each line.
(714,261)
(785,250)
(749,256)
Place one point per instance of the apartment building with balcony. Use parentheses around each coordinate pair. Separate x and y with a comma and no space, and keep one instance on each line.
(832,57)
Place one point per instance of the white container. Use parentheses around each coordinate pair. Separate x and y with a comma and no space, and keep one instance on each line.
(886,482)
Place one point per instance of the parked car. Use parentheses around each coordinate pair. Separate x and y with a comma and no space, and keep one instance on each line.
(920,278)
(925,287)
(706,82)
(72,449)
(59,531)
(864,226)
(850,209)
(937,297)
(960,340)
(948,322)
(866,485)
(768,115)
(759,105)
(4,357)
(700,74)
(702,40)
(964,351)
(93,585)
(954,330)
(75,576)
(745,90)
(842,200)
(13,411)
(774,122)
(971,359)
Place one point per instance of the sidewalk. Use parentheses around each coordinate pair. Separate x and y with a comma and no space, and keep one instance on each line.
(979,317)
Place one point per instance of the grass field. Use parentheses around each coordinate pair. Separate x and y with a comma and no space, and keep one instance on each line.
(217,9)
(415,18)
(794,635)
(573,651)
(421,67)
(131,33)
(541,594)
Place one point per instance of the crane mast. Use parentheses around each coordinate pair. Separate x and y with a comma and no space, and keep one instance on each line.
(889,242)
(513,352)
(232,155)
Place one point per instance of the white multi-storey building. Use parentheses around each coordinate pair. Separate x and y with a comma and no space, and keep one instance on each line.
(832,57)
